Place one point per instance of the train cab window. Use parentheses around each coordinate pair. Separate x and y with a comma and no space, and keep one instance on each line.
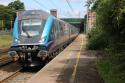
(31,27)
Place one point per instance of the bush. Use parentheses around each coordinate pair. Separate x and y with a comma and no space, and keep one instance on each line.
(109,35)
(97,39)
(111,69)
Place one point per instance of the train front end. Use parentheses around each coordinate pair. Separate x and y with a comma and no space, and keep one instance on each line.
(28,46)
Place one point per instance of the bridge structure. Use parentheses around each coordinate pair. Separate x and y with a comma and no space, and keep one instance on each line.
(78,22)
(74,21)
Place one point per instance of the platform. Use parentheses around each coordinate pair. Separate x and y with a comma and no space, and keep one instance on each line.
(73,65)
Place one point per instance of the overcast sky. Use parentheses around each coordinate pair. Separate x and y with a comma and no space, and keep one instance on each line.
(64,11)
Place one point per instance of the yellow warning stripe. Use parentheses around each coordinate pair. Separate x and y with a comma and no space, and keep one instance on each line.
(77,62)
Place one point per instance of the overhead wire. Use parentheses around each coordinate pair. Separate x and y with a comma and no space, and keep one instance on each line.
(40,4)
(43,6)
(70,6)
(53,4)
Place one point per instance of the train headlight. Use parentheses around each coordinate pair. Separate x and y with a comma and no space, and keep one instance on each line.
(16,40)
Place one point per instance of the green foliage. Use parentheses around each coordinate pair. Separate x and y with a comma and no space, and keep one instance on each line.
(111,69)
(110,16)
(89,2)
(5,12)
(16,5)
(6,16)
(8,13)
(111,21)
(96,3)
(97,39)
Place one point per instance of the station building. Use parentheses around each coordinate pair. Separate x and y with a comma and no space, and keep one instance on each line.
(90,21)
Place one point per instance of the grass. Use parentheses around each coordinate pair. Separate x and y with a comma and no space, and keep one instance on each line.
(111,70)
(5,40)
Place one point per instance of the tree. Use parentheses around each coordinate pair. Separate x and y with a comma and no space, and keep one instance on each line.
(110,18)
(6,15)
(110,27)
(16,5)
(89,2)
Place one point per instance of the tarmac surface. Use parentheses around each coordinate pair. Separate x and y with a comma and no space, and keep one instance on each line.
(73,65)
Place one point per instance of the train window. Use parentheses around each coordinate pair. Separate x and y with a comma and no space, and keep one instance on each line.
(56,24)
(61,28)
(31,27)
(58,28)
(66,30)
(55,27)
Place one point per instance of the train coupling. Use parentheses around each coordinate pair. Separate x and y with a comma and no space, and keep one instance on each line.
(14,55)
(42,54)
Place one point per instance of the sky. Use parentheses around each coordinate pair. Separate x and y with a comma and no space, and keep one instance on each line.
(77,9)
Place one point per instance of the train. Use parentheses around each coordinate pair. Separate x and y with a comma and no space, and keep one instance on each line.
(37,36)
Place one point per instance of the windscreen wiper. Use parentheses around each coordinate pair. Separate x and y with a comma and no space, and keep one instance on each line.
(26,33)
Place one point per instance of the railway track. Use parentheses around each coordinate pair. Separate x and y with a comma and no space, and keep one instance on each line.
(13,73)
(4,50)
(4,58)
(8,70)
(19,77)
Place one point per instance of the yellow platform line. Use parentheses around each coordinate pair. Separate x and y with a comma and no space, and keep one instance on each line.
(77,62)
